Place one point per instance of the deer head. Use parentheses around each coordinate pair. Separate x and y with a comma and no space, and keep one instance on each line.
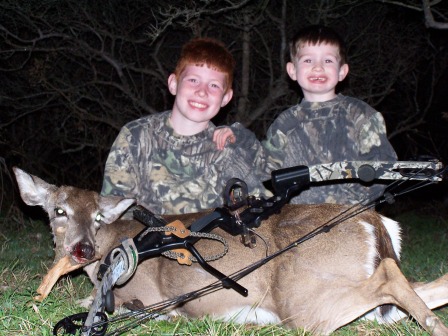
(75,214)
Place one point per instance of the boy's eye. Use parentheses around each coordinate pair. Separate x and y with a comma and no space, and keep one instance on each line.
(215,86)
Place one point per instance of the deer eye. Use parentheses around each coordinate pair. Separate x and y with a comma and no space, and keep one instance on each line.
(98,217)
(59,212)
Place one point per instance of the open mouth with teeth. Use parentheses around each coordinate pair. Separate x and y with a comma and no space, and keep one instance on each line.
(317,79)
(198,105)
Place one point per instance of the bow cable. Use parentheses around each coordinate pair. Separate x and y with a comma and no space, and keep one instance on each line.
(427,173)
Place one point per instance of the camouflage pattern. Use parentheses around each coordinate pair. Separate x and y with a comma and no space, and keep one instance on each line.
(342,129)
(172,174)
(412,170)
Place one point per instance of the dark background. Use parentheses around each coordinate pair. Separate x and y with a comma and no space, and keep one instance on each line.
(72,72)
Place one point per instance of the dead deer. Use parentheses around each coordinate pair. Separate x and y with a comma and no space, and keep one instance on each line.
(321,285)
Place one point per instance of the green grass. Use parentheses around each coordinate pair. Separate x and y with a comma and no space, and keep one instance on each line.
(26,254)
(425,241)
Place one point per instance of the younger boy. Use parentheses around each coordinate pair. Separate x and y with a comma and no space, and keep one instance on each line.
(325,127)
(169,161)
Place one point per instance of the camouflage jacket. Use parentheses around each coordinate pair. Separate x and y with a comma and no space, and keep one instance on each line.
(172,174)
(343,128)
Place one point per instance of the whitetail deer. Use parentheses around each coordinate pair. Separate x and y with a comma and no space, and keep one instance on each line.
(321,285)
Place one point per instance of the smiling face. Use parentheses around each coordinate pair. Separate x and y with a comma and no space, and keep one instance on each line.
(317,69)
(200,93)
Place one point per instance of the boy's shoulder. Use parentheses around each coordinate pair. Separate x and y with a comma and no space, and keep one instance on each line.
(287,120)
(349,106)
(153,120)
(356,103)
(294,111)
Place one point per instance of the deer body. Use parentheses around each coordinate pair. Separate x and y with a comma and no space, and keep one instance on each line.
(320,285)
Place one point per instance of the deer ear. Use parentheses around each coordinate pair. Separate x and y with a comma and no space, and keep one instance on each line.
(33,190)
(112,207)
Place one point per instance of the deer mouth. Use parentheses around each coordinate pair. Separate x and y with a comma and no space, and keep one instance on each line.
(82,252)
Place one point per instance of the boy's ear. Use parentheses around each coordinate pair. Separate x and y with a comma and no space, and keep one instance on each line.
(227,97)
(343,71)
(172,84)
(291,70)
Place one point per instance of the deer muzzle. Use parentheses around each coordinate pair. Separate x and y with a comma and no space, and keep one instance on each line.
(82,252)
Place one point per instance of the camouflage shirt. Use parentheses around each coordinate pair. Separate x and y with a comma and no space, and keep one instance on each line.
(171,174)
(343,128)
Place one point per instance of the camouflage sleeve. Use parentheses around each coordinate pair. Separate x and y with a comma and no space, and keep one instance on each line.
(244,137)
(247,161)
(373,146)
(120,174)
(276,142)
(373,142)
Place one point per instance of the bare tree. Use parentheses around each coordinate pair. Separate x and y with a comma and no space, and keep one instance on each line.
(435,15)
(73,72)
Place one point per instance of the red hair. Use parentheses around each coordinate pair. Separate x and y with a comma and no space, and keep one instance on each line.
(209,52)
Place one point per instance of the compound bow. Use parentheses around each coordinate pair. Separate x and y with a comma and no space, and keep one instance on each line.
(122,261)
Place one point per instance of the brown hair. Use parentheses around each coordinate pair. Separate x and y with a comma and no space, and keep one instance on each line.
(314,35)
(210,52)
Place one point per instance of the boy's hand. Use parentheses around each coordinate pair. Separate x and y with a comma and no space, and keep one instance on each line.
(223,135)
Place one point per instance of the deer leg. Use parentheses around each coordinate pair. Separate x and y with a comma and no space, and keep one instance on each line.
(397,290)
(387,285)
(434,293)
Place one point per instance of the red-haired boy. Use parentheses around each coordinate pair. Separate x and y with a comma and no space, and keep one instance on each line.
(169,161)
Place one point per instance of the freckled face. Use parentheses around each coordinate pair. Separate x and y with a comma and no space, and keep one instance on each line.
(200,93)
(317,69)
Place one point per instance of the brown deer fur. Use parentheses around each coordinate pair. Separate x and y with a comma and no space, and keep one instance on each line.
(320,285)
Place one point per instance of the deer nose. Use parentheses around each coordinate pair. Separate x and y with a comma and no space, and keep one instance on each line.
(83,251)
